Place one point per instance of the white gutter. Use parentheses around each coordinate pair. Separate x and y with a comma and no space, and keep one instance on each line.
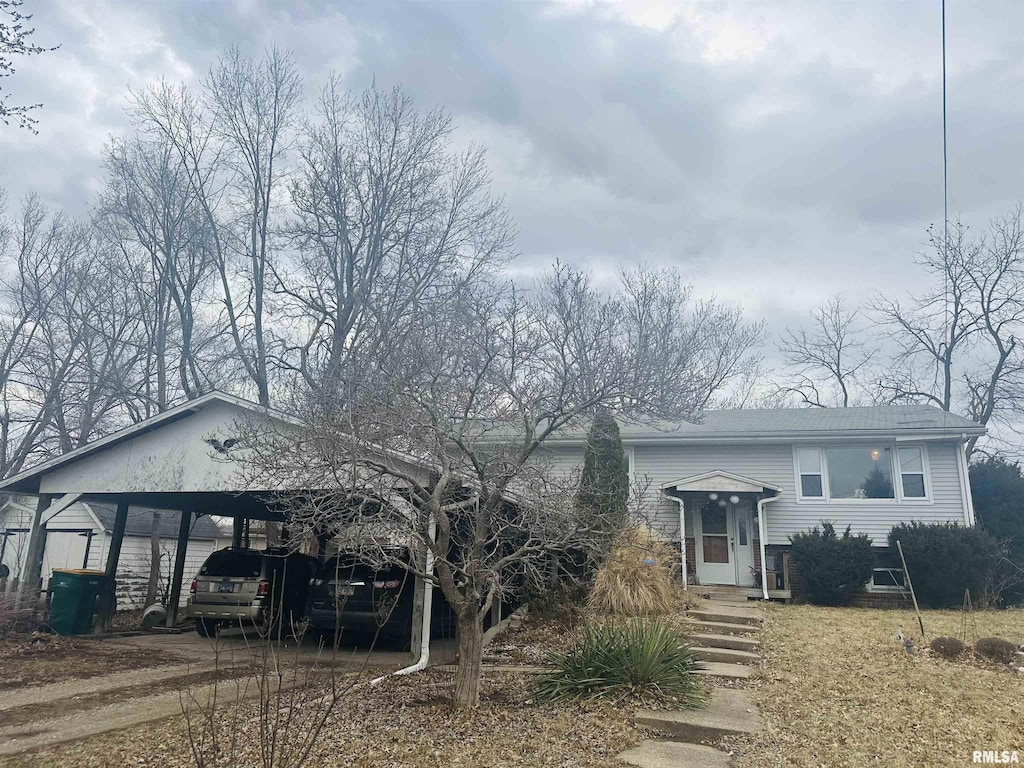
(762,531)
(682,538)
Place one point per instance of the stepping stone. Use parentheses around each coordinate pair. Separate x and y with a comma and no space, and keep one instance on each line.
(719,628)
(673,754)
(730,713)
(733,642)
(728,615)
(726,655)
(724,671)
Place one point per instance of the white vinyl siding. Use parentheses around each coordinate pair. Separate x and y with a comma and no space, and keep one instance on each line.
(774,463)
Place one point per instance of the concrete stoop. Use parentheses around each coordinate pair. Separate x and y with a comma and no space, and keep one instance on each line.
(729,713)
(672,754)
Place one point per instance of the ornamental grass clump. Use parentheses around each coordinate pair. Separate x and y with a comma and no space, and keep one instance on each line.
(635,578)
(644,660)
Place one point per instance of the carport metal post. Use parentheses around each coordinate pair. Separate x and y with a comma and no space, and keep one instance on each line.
(28,589)
(184,527)
(113,555)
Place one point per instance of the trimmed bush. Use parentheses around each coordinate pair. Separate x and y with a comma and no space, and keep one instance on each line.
(635,578)
(645,660)
(996,649)
(832,569)
(947,647)
(944,559)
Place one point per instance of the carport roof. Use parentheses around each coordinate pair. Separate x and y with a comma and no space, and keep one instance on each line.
(162,492)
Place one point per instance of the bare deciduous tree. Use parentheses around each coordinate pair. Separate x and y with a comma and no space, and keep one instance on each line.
(828,361)
(440,446)
(957,344)
(15,40)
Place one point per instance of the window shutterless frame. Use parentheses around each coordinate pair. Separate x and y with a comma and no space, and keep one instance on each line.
(810,468)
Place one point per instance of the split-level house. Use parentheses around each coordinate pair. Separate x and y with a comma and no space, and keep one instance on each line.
(731,489)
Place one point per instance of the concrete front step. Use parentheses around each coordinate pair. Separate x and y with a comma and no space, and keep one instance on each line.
(725,597)
(726,655)
(728,615)
(724,671)
(719,628)
(733,642)
(674,754)
(729,713)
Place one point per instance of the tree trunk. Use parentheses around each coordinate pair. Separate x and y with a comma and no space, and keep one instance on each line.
(471,652)
(154,562)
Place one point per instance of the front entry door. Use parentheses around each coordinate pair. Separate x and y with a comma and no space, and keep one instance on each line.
(715,563)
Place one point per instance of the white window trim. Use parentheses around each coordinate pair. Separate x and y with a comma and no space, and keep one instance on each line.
(897,475)
(872,587)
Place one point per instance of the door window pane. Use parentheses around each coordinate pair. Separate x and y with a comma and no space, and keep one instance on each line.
(716,549)
(860,473)
(741,521)
(712,519)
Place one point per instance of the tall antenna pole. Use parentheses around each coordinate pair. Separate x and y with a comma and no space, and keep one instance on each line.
(945,226)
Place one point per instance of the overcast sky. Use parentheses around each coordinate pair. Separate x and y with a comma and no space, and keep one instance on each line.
(775,152)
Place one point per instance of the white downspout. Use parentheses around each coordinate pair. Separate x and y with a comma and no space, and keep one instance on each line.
(682,538)
(763,533)
(965,482)
(428,592)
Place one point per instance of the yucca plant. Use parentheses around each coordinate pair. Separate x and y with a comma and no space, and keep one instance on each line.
(636,577)
(645,660)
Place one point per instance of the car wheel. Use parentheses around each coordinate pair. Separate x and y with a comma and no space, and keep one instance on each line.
(207,627)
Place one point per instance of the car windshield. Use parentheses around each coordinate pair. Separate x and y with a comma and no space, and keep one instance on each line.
(245,563)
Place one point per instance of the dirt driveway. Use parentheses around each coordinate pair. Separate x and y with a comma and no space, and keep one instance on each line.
(64,689)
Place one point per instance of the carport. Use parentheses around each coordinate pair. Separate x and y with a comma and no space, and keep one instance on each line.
(180,460)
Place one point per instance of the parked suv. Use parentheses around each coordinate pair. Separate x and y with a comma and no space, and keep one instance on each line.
(250,586)
(352,594)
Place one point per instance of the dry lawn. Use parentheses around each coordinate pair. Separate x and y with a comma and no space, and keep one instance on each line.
(399,724)
(839,690)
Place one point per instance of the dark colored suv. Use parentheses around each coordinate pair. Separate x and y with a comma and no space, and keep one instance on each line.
(250,586)
(351,594)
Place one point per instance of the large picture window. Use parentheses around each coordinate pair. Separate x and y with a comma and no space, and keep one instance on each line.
(860,473)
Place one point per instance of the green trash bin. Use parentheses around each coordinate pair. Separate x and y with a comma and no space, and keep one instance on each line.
(74,597)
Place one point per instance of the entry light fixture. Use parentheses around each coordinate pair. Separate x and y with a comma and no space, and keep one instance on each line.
(721,502)
(734,499)
(713,496)
(875,454)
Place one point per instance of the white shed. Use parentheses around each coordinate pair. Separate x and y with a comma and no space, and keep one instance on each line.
(79,537)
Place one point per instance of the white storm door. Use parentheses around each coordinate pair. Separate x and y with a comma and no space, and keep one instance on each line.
(715,561)
(744,518)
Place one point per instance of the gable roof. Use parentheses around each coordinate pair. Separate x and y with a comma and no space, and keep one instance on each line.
(759,424)
(140,522)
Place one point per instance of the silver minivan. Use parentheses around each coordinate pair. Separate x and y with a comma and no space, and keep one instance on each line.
(250,586)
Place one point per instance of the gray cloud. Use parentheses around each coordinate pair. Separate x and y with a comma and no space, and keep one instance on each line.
(775,153)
